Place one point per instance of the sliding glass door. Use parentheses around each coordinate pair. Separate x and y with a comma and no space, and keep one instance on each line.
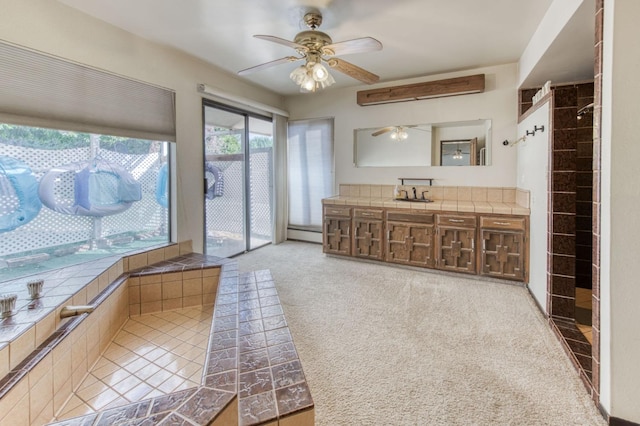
(238,149)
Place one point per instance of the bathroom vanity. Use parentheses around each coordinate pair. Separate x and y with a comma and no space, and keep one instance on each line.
(471,237)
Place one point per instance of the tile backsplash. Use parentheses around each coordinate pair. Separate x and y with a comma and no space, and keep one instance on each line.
(509,195)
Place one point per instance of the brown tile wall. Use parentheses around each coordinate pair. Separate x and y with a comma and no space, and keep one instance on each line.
(584,185)
(524,101)
(570,192)
(562,203)
(574,213)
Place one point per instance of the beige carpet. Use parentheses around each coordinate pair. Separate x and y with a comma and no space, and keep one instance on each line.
(382,345)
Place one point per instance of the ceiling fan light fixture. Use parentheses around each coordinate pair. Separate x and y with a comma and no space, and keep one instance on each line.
(298,74)
(308,84)
(311,77)
(320,73)
(328,81)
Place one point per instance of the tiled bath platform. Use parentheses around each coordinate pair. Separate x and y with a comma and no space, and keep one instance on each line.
(251,373)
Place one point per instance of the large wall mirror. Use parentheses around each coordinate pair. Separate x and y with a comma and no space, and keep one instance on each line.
(460,143)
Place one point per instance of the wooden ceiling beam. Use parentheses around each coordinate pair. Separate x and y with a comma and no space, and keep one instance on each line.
(427,90)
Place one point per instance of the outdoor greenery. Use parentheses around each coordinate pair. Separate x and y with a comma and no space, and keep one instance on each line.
(219,140)
(41,138)
(226,141)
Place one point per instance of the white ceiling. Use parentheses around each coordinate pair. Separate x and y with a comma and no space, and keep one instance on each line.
(420,37)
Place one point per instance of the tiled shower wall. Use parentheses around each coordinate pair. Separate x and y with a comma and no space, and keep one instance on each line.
(584,187)
(561,290)
(597,117)
(571,188)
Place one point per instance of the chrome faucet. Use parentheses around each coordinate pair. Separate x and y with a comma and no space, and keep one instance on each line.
(7,305)
(406,194)
(72,311)
(424,192)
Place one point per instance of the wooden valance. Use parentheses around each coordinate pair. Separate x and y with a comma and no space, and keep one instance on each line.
(418,91)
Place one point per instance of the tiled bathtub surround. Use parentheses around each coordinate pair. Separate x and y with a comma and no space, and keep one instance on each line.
(447,198)
(38,387)
(75,285)
(35,339)
(153,355)
(252,374)
(172,284)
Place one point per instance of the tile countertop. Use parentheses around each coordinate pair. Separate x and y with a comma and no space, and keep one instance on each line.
(436,205)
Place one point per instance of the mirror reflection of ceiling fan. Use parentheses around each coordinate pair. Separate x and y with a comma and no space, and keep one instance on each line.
(316,47)
(457,154)
(397,132)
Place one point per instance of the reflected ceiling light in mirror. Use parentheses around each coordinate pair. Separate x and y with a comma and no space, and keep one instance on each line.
(457,155)
(399,134)
(372,147)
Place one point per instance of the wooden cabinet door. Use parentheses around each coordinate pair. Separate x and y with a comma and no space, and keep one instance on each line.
(337,235)
(456,249)
(367,239)
(503,254)
(410,244)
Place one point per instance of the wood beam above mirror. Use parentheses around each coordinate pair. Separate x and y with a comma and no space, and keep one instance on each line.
(426,90)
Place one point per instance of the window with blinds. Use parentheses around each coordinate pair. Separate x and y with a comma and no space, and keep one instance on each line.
(39,90)
(310,171)
(84,163)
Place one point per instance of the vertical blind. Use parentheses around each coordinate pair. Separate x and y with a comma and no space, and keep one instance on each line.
(310,171)
(45,91)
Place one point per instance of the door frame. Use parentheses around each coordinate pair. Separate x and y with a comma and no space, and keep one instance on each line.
(247,177)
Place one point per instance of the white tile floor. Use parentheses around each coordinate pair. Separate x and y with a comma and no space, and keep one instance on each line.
(152,355)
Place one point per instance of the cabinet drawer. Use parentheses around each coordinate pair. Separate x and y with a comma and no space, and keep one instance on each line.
(337,211)
(399,216)
(367,214)
(494,222)
(457,220)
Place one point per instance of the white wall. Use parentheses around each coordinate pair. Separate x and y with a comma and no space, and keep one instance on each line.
(620,198)
(553,22)
(533,172)
(498,103)
(51,27)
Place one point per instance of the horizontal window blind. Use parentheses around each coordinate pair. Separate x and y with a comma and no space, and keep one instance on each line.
(310,171)
(44,91)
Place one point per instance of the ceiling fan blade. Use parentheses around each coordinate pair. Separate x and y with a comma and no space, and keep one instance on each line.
(268,65)
(282,41)
(357,45)
(382,131)
(353,71)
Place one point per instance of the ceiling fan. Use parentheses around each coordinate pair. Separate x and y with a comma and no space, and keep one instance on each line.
(315,47)
(397,132)
(457,154)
